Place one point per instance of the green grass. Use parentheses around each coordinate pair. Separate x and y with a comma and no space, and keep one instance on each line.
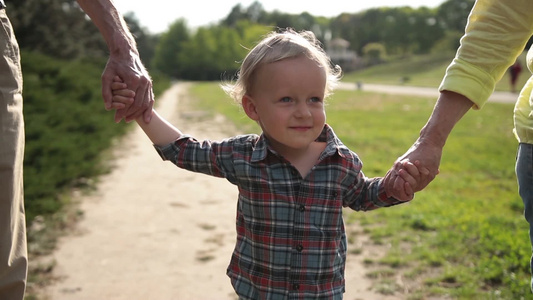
(426,70)
(215,100)
(413,70)
(464,236)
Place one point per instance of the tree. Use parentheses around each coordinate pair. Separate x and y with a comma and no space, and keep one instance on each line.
(58,28)
(168,50)
(253,13)
(402,30)
(237,13)
(197,58)
(427,30)
(146,42)
(212,51)
(453,14)
(374,53)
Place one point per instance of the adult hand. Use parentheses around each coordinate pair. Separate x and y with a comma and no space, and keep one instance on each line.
(427,150)
(397,186)
(132,72)
(426,156)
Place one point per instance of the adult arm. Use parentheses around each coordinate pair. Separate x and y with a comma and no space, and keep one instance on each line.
(427,149)
(124,60)
(495,35)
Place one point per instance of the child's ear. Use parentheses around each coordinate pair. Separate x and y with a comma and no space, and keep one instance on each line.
(249,107)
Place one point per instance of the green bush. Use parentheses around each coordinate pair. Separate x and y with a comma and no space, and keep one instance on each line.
(67,128)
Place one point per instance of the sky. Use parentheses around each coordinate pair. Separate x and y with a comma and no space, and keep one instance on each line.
(157,15)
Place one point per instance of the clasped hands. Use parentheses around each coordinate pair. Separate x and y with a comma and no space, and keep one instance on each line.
(132,73)
(413,171)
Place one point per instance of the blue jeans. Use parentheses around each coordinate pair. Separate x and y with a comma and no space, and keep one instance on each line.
(524,174)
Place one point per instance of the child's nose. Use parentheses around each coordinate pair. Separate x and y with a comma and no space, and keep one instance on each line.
(302,110)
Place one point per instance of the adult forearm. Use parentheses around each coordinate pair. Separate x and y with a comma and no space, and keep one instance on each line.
(124,60)
(427,150)
(111,24)
(448,110)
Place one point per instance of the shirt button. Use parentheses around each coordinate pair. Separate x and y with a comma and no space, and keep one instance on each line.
(295,286)
(334,195)
(299,248)
(301,208)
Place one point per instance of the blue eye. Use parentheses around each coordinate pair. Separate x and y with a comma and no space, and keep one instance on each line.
(285,99)
(315,99)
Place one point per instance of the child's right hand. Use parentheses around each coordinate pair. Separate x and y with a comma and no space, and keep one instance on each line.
(122,96)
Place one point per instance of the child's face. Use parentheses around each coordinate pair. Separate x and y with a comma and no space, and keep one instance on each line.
(287,100)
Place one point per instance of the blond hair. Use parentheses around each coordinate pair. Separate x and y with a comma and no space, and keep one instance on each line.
(278,46)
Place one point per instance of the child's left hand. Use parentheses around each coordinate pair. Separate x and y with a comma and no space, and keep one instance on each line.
(122,96)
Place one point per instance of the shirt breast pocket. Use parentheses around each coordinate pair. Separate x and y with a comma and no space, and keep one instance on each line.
(326,214)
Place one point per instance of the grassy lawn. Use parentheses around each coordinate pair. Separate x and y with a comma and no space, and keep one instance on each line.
(464,236)
(425,70)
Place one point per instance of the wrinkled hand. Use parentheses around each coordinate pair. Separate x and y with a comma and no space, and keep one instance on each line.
(400,184)
(426,157)
(132,72)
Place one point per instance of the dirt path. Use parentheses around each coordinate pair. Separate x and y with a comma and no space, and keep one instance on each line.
(153,231)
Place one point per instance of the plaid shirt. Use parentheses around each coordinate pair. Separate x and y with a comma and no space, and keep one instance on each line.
(291,242)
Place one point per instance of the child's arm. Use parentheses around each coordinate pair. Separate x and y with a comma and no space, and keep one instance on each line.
(159,130)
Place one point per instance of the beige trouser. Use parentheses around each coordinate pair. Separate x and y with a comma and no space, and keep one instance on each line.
(13,250)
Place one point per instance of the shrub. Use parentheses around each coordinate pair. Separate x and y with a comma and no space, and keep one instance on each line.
(67,128)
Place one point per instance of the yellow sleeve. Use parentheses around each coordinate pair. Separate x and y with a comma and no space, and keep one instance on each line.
(496,33)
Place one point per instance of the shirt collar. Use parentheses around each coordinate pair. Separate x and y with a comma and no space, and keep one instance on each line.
(333,145)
